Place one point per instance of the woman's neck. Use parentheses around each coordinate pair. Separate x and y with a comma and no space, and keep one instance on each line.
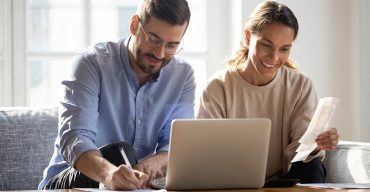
(249,73)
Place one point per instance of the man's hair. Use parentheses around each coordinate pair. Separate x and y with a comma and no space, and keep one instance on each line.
(175,12)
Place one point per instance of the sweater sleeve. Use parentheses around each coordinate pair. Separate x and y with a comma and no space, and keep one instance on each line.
(302,114)
(212,101)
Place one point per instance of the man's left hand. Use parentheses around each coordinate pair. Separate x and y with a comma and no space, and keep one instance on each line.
(154,166)
(328,140)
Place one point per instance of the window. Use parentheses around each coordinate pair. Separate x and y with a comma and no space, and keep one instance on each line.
(1,37)
(59,28)
(5,52)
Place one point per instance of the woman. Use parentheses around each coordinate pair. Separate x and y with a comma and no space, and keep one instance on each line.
(261,81)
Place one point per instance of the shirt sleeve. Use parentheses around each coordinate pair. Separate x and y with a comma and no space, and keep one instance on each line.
(301,117)
(184,109)
(78,110)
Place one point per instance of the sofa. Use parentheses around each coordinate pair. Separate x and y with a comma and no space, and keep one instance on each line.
(26,145)
(28,135)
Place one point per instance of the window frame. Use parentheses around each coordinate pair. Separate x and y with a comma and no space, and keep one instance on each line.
(6,72)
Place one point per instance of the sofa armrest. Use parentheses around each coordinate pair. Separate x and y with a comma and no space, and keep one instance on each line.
(349,163)
(26,140)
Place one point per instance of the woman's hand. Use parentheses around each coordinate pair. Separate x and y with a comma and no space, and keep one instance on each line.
(328,140)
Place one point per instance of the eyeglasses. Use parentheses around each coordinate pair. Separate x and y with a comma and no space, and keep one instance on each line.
(152,40)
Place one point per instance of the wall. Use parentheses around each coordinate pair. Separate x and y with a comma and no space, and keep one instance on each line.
(364,13)
(323,51)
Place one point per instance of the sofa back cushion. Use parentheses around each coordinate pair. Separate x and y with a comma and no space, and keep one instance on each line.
(349,163)
(26,145)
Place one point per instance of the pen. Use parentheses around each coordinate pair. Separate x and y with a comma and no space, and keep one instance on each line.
(127,162)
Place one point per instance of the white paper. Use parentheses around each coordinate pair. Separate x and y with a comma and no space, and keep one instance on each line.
(106,190)
(337,185)
(319,123)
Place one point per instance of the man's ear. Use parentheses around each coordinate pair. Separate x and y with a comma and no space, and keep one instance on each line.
(134,25)
(247,37)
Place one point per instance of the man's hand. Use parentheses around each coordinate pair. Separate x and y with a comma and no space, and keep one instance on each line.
(328,140)
(153,166)
(125,178)
(93,165)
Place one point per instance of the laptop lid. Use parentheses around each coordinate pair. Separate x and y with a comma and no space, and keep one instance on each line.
(218,153)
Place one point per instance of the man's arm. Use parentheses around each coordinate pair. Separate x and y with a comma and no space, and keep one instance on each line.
(93,165)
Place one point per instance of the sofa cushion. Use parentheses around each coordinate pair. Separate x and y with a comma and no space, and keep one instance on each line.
(26,144)
(349,163)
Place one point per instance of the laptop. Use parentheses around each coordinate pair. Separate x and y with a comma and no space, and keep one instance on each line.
(217,154)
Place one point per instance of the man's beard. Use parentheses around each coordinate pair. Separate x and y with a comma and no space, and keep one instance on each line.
(147,68)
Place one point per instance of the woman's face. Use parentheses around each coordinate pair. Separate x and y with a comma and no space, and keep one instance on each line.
(269,48)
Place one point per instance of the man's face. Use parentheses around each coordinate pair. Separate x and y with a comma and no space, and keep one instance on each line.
(155,44)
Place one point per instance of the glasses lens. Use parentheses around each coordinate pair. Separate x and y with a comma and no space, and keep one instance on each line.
(154,41)
(179,48)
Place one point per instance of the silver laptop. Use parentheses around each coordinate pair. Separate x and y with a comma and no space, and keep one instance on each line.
(218,154)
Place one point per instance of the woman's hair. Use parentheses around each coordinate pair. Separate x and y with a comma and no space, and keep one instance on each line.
(265,13)
(175,12)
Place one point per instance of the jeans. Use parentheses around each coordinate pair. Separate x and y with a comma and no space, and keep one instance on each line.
(310,172)
(72,178)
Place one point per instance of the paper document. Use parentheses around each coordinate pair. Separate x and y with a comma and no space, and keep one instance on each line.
(106,190)
(338,185)
(319,123)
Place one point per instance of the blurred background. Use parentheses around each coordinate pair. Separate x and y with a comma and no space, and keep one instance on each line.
(39,37)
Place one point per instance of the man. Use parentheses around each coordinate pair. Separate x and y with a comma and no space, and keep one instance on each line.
(127,91)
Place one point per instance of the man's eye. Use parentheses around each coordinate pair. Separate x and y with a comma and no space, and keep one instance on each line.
(172,46)
(155,40)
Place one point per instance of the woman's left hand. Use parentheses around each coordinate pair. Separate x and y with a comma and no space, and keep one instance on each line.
(328,140)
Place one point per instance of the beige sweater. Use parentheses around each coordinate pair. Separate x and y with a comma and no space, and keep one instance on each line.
(289,101)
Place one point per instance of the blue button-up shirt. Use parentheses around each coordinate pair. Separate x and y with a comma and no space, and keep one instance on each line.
(104,103)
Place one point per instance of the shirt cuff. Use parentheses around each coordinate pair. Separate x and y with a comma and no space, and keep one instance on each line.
(164,148)
(76,148)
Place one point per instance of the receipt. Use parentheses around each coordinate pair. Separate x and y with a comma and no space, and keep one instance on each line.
(319,123)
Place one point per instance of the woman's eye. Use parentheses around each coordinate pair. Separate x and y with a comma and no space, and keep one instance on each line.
(266,45)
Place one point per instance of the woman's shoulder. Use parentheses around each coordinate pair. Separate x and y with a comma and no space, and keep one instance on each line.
(221,77)
(295,75)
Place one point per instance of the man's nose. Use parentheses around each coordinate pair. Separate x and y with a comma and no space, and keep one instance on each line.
(160,51)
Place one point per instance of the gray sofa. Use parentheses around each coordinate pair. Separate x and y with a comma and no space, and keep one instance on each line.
(28,134)
(26,145)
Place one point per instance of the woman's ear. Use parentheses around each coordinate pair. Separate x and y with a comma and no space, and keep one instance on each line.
(134,25)
(247,37)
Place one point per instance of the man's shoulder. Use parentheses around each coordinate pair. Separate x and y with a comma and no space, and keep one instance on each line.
(180,64)
(102,49)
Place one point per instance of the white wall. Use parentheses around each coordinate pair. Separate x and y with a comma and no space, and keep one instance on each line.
(364,14)
(333,50)
(323,51)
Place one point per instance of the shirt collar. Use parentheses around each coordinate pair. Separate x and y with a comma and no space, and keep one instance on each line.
(125,58)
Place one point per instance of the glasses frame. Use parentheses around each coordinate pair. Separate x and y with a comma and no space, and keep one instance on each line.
(157,42)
